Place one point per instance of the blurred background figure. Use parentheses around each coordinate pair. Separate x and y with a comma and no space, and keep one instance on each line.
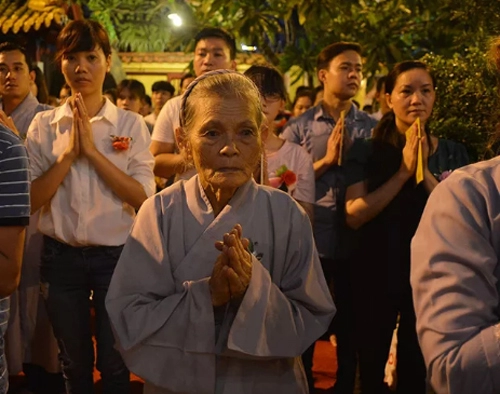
(111,95)
(185,81)
(380,98)
(39,87)
(304,99)
(147,106)
(64,94)
(318,94)
(162,92)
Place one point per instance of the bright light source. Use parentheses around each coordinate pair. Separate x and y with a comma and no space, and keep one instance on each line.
(176,19)
(248,48)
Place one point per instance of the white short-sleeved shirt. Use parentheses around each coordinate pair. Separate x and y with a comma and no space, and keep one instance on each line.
(84,210)
(296,159)
(167,121)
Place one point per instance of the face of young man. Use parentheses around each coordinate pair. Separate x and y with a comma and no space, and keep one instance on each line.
(15,78)
(343,77)
(212,54)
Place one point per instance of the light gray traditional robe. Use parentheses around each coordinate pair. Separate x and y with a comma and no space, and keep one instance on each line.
(455,276)
(160,306)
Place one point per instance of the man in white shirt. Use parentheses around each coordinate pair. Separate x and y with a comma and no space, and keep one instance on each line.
(215,49)
(162,92)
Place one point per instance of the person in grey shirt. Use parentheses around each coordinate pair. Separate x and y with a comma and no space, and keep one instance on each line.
(18,106)
(455,277)
(318,130)
(27,316)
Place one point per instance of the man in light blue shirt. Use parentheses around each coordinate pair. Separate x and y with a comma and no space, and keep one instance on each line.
(318,131)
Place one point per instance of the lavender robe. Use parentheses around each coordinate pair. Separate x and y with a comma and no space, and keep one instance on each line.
(455,276)
(160,306)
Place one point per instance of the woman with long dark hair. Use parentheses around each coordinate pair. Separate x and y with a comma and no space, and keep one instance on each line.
(384,203)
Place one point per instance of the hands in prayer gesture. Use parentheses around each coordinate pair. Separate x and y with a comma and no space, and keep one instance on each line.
(334,144)
(233,269)
(410,153)
(81,138)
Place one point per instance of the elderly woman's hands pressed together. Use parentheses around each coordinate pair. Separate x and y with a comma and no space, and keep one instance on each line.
(233,269)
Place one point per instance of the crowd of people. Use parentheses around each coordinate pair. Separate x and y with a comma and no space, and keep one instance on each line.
(206,240)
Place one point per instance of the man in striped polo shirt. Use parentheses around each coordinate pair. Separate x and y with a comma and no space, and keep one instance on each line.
(14,217)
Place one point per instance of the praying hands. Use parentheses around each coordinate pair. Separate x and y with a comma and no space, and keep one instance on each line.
(233,269)
(81,140)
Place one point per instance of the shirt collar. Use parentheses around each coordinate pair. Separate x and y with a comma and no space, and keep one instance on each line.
(109,112)
(29,101)
(354,113)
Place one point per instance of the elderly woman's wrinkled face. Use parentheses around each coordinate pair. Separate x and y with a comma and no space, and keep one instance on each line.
(224,141)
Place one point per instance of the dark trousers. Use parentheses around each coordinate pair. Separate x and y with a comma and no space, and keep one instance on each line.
(338,279)
(69,275)
(376,316)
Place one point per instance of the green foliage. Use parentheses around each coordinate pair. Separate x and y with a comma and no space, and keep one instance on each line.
(139,26)
(466,107)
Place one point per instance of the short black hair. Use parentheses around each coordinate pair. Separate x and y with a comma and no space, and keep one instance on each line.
(147,100)
(134,86)
(9,46)
(268,80)
(381,83)
(163,85)
(304,91)
(216,32)
(80,36)
(330,52)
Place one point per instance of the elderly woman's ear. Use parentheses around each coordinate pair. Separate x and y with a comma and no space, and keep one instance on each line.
(182,142)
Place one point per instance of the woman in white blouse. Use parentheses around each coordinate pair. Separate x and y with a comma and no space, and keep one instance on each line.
(91,170)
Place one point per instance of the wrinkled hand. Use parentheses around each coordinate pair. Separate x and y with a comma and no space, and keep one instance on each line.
(8,122)
(239,271)
(410,154)
(218,283)
(86,137)
(333,146)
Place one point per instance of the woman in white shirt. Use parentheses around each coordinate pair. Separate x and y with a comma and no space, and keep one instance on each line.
(91,170)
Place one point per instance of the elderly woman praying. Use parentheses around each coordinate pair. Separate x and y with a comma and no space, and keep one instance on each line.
(219,288)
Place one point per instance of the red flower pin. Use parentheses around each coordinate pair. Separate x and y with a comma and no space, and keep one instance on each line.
(120,143)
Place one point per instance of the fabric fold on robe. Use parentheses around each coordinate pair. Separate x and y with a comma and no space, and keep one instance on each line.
(160,306)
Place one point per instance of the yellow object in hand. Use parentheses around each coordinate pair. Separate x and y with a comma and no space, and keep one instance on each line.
(342,122)
(419,173)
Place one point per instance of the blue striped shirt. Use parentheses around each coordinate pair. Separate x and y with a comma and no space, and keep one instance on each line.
(14,211)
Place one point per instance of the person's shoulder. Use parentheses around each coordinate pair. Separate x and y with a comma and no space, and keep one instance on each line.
(49,114)
(150,118)
(174,104)
(483,169)
(293,149)
(365,118)
(451,145)
(361,148)
(482,178)
(43,107)
(8,138)
(305,118)
(279,201)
